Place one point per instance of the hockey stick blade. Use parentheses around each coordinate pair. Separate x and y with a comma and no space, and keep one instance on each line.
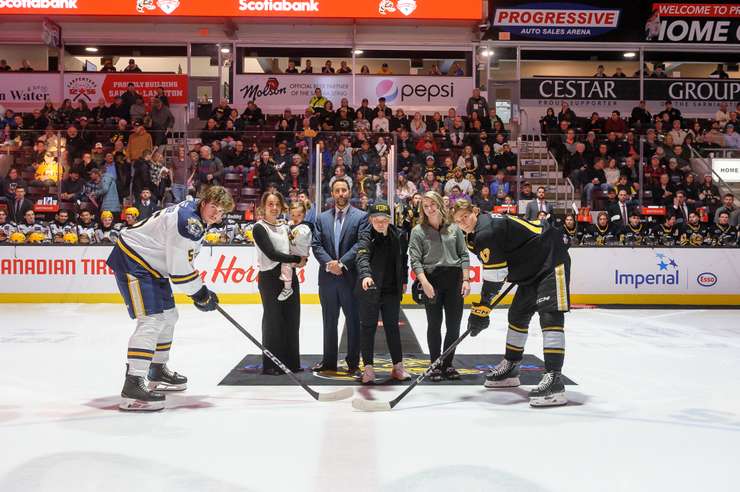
(341,394)
(371,405)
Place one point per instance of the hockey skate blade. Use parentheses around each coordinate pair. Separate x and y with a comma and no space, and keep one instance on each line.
(556,400)
(159,386)
(371,405)
(133,405)
(504,383)
(341,394)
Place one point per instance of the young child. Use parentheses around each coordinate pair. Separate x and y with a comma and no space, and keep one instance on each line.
(300,243)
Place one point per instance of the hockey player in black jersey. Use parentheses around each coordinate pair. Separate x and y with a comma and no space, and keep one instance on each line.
(635,232)
(665,234)
(601,233)
(572,233)
(722,234)
(533,255)
(693,232)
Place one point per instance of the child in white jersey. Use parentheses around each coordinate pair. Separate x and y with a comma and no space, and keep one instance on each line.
(300,243)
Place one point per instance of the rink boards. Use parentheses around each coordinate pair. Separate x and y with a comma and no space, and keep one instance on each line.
(639,276)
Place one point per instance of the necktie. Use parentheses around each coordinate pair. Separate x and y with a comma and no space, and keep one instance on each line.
(338,230)
(624,214)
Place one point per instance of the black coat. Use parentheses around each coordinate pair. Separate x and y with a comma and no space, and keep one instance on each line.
(371,257)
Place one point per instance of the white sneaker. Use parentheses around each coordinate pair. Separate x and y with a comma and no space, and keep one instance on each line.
(399,372)
(368,375)
(285,294)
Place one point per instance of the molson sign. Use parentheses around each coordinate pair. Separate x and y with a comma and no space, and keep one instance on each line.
(372,9)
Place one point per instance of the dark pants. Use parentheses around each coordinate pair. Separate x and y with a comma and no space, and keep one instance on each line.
(336,293)
(447,283)
(280,320)
(550,297)
(389,306)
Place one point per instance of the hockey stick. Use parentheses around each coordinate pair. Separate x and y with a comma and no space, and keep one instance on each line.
(381,406)
(341,394)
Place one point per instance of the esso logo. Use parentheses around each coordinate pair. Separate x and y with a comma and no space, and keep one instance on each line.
(706,279)
(388,89)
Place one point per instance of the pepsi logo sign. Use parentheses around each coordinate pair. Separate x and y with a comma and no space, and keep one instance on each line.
(706,279)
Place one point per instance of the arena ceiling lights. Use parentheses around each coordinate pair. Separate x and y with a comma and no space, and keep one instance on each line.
(311,9)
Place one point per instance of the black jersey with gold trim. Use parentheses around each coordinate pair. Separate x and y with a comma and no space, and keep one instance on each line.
(723,236)
(633,236)
(694,235)
(515,249)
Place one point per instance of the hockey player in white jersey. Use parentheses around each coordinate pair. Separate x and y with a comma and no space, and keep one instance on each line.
(147,257)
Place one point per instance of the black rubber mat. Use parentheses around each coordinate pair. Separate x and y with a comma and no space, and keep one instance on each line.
(472,367)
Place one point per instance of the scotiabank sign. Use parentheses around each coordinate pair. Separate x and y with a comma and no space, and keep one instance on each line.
(373,9)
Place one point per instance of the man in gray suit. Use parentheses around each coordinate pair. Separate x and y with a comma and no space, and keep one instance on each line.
(335,247)
(538,205)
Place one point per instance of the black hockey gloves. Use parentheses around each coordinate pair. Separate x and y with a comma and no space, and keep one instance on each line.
(479,318)
(204,299)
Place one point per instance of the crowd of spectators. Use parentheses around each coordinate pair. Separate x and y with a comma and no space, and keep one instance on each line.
(602,158)
(95,159)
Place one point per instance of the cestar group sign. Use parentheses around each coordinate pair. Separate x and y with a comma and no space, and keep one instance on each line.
(357,9)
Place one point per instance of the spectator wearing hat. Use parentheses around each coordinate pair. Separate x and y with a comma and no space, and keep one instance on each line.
(732,138)
(382,272)
(139,141)
(132,66)
(673,113)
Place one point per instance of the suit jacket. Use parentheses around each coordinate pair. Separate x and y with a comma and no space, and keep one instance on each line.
(533,210)
(146,212)
(17,215)
(682,216)
(615,214)
(354,223)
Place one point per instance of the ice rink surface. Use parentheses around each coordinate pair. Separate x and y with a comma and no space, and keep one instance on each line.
(657,408)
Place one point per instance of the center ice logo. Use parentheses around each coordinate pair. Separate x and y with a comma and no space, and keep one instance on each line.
(667,274)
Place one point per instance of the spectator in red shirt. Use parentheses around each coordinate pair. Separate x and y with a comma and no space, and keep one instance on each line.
(616,124)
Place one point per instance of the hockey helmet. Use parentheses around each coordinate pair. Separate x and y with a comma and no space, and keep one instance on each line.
(70,238)
(17,238)
(213,237)
(36,238)
(133,211)
(248,233)
(107,214)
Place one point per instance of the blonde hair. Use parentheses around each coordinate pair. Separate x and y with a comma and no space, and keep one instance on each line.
(464,205)
(219,196)
(437,199)
(298,205)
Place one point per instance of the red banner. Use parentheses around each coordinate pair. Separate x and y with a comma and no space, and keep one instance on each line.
(92,86)
(312,9)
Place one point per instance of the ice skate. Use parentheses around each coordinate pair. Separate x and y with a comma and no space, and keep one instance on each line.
(550,392)
(137,398)
(399,372)
(162,379)
(285,294)
(504,375)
